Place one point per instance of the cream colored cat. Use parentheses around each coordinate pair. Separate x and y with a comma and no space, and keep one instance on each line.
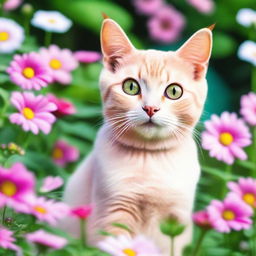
(144,165)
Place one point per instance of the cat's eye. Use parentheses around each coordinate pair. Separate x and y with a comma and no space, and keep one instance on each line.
(173,91)
(131,86)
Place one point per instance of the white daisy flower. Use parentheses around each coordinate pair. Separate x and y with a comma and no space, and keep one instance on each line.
(247,52)
(11,35)
(51,21)
(246,17)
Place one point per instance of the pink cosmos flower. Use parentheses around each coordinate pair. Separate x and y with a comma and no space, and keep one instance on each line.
(148,7)
(7,240)
(11,4)
(29,71)
(82,212)
(48,210)
(123,245)
(248,108)
(51,183)
(231,214)
(64,107)
(245,189)
(87,56)
(34,112)
(166,25)
(201,219)
(44,238)
(60,61)
(225,136)
(64,153)
(16,187)
(204,6)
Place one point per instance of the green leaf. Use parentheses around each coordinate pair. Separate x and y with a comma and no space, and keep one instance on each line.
(87,111)
(219,174)
(246,164)
(122,226)
(89,13)
(4,78)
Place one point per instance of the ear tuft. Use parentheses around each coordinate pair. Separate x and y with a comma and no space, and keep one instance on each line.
(104,15)
(115,45)
(211,27)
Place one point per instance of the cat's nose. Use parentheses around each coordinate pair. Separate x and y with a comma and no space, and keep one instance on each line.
(150,110)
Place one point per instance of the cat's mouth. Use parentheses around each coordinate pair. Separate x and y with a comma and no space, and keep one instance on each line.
(150,123)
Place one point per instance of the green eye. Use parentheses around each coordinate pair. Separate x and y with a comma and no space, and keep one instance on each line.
(131,87)
(173,91)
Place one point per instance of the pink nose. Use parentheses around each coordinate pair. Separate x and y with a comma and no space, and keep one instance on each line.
(150,110)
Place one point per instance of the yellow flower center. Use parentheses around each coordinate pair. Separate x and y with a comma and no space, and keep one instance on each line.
(228,215)
(226,138)
(249,199)
(8,188)
(55,64)
(40,209)
(28,113)
(52,21)
(129,252)
(28,72)
(57,153)
(4,36)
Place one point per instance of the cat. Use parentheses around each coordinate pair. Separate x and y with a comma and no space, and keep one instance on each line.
(144,166)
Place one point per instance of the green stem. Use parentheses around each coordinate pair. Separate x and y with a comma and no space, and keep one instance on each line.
(47,38)
(253,81)
(253,151)
(82,232)
(199,242)
(27,25)
(3,215)
(172,246)
(228,172)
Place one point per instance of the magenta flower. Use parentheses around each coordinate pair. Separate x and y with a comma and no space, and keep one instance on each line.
(123,245)
(201,218)
(166,25)
(64,107)
(82,212)
(87,56)
(51,183)
(248,108)
(64,153)
(34,112)
(231,214)
(11,4)
(204,6)
(225,136)
(245,189)
(29,71)
(7,240)
(44,238)
(148,7)
(60,61)
(48,210)
(16,187)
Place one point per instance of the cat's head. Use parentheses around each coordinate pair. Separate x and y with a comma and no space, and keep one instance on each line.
(150,94)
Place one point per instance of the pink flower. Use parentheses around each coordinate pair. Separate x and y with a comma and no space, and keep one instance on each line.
(34,112)
(166,25)
(16,187)
(7,240)
(204,6)
(201,219)
(11,4)
(245,189)
(60,61)
(225,136)
(64,107)
(248,108)
(231,214)
(48,210)
(44,238)
(64,153)
(148,7)
(29,71)
(51,183)
(123,245)
(82,212)
(87,56)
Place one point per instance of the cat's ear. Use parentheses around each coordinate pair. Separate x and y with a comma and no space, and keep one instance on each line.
(115,45)
(197,50)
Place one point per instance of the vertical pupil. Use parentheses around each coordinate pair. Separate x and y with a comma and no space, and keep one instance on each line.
(131,86)
(174,90)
